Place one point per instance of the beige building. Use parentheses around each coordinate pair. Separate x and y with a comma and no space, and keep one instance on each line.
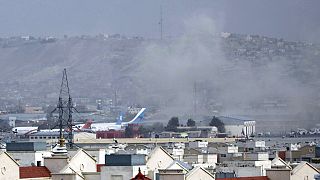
(280,170)
(74,166)
(304,171)
(171,174)
(9,168)
(197,173)
(121,172)
(158,159)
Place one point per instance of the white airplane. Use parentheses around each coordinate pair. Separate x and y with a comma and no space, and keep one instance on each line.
(29,130)
(24,130)
(117,125)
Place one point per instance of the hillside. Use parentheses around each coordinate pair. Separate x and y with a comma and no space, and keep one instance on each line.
(230,73)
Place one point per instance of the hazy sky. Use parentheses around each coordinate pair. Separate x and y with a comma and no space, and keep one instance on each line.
(290,19)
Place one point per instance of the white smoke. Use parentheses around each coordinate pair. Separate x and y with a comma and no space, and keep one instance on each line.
(171,68)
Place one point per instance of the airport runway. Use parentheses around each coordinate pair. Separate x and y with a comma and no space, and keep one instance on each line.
(152,140)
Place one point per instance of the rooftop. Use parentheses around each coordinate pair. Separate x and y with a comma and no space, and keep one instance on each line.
(34,172)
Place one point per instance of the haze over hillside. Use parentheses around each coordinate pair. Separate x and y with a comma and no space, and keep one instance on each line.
(200,72)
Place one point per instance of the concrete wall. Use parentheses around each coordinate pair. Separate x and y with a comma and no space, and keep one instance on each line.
(260,156)
(193,158)
(264,165)
(210,158)
(98,154)
(124,172)
(199,175)
(23,157)
(234,130)
(278,174)
(198,144)
(55,164)
(64,177)
(92,176)
(81,162)
(39,156)
(171,177)
(158,160)
(9,170)
(242,171)
(27,158)
(228,149)
(177,153)
(248,171)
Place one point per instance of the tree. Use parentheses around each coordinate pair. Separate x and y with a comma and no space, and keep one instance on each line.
(191,123)
(4,126)
(128,132)
(157,127)
(173,124)
(218,123)
(144,131)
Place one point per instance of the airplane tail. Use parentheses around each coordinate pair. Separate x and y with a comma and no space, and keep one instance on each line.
(87,125)
(85,128)
(138,118)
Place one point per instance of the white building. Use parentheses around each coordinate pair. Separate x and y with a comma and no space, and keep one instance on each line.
(123,166)
(76,165)
(28,153)
(154,163)
(303,171)
(30,158)
(9,168)
(245,168)
(198,144)
(238,127)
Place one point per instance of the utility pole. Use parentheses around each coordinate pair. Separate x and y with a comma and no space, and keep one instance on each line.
(195,100)
(115,99)
(161,23)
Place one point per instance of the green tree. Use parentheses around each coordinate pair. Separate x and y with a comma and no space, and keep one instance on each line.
(191,123)
(173,124)
(218,123)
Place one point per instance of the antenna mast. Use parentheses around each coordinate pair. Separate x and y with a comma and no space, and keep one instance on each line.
(161,23)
